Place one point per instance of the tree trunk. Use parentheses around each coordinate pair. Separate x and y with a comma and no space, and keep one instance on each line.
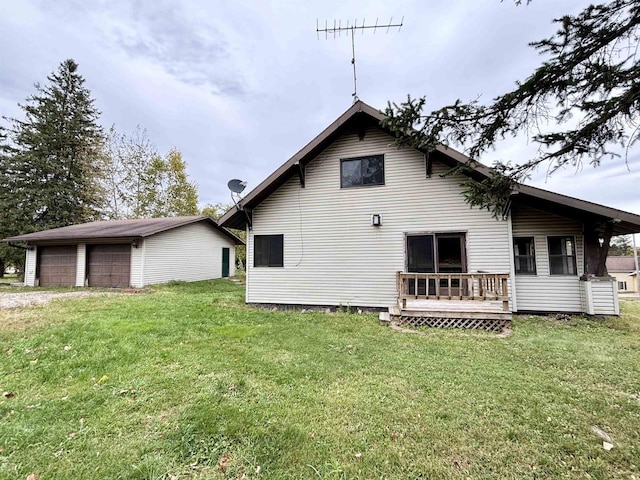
(595,255)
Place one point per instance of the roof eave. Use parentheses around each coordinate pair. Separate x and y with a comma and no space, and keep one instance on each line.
(624,222)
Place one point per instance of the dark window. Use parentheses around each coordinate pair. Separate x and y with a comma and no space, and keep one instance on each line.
(622,286)
(362,171)
(562,256)
(441,253)
(524,256)
(268,251)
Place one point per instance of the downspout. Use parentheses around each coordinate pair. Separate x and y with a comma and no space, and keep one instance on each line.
(247,263)
(635,258)
(512,268)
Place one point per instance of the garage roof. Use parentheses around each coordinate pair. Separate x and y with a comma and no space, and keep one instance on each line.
(118,229)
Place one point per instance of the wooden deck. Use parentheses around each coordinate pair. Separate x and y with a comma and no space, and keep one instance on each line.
(452,309)
(482,302)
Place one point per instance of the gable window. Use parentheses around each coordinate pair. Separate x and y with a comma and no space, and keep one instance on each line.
(562,255)
(268,250)
(360,171)
(524,256)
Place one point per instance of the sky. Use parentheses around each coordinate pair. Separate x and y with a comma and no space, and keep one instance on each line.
(240,86)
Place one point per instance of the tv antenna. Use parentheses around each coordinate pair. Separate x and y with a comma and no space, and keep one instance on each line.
(338,29)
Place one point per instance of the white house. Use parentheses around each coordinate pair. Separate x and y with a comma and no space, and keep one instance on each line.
(123,253)
(623,268)
(351,219)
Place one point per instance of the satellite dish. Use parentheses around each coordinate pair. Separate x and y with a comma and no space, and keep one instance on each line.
(236,186)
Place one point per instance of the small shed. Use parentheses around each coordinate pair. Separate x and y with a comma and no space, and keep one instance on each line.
(129,253)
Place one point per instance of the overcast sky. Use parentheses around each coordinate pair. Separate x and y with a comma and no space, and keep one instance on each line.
(240,86)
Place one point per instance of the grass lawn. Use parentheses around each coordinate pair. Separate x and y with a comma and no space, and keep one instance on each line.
(186,382)
(8,278)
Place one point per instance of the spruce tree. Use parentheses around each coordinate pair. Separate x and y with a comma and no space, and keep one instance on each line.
(587,90)
(50,163)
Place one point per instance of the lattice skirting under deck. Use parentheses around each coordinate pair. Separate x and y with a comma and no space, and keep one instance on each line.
(494,324)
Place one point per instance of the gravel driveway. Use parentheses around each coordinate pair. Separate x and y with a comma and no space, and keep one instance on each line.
(25,299)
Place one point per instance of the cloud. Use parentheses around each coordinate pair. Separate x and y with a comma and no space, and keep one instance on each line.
(191,48)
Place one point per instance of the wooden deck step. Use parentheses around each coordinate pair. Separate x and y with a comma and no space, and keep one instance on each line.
(486,315)
(454,306)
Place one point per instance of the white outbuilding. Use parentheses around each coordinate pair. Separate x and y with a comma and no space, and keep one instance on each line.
(129,253)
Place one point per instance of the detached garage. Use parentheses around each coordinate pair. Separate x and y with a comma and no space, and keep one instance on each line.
(58,265)
(123,253)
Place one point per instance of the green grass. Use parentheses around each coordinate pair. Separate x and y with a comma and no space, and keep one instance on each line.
(186,382)
(9,278)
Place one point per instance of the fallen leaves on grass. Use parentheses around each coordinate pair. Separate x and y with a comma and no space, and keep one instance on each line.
(224,462)
(601,433)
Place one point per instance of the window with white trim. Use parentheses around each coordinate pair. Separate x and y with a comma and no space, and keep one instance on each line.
(562,255)
(524,256)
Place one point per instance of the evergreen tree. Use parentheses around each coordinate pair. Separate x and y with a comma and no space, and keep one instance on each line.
(50,163)
(587,87)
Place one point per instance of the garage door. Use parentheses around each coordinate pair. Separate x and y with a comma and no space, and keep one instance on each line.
(57,266)
(109,265)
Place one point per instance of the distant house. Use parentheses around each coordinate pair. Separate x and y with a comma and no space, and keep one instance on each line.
(353,220)
(123,253)
(623,268)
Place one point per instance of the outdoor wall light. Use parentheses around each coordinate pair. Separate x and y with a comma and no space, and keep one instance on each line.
(134,244)
(376,219)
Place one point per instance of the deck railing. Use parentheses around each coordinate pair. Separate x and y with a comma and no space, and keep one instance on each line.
(453,286)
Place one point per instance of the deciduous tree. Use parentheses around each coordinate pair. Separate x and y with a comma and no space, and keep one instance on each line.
(621,245)
(140,183)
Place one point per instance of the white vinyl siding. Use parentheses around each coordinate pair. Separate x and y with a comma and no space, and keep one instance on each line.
(81,264)
(190,253)
(332,253)
(626,278)
(600,296)
(30,267)
(137,262)
(543,291)
(605,297)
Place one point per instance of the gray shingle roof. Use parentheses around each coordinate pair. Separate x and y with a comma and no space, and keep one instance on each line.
(113,229)
(621,264)
(235,217)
